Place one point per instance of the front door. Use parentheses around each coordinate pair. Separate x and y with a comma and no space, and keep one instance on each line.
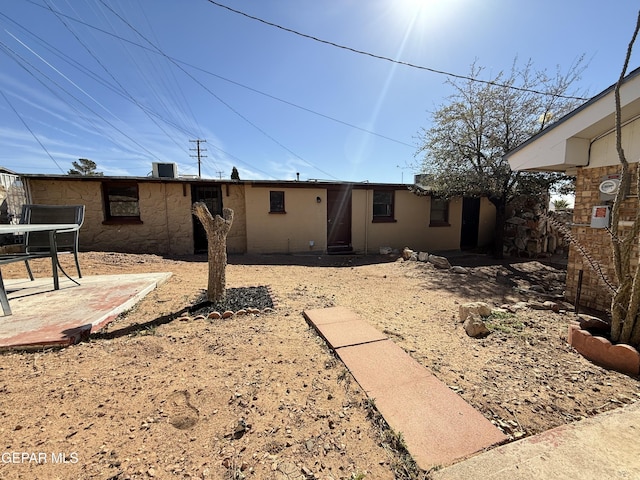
(339,219)
(211,196)
(470,223)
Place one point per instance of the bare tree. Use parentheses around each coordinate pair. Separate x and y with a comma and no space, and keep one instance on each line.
(216,229)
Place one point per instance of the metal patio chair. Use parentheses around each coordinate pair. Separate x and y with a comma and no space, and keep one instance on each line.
(38,242)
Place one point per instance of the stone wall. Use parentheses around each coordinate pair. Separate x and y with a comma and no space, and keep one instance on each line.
(596,241)
(528,232)
(165,212)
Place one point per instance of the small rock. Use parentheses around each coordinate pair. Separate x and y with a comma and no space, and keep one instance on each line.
(459,269)
(241,312)
(227,314)
(423,256)
(517,306)
(413,257)
(199,317)
(475,327)
(268,310)
(214,315)
(536,306)
(406,253)
(184,319)
(594,323)
(537,289)
(481,309)
(439,262)
(385,250)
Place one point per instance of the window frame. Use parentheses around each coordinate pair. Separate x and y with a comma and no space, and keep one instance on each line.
(390,216)
(110,218)
(274,202)
(445,210)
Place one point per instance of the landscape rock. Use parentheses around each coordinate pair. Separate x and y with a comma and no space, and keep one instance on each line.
(406,253)
(439,262)
(423,256)
(517,306)
(385,250)
(481,309)
(552,306)
(475,327)
(588,322)
(459,269)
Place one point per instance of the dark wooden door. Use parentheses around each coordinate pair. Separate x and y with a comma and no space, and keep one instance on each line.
(339,219)
(211,195)
(470,223)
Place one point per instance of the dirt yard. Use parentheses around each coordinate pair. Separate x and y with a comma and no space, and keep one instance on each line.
(260,396)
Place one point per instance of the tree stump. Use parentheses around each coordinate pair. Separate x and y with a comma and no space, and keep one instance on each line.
(216,229)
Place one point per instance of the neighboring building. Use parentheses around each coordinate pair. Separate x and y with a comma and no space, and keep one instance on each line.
(153,215)
(583,144)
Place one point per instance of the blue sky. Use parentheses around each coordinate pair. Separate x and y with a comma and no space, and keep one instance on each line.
(130,83)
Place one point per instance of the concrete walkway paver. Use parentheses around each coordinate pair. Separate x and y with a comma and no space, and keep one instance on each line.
(437,425)
(602,447)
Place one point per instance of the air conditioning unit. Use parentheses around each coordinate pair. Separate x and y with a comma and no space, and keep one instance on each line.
(164,170)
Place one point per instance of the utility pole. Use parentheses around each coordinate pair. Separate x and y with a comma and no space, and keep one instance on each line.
(199,153)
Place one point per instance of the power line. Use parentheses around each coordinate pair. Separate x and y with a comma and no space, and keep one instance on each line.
(388,59)
(156,51)
(31,131)
(216,96)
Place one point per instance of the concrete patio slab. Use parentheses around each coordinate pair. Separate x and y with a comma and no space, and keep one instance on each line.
(604,446)
(45,317)
(437,425)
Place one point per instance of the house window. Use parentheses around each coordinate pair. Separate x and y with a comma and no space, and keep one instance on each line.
(121,202)
(439,212)
(276,202)
(383,205)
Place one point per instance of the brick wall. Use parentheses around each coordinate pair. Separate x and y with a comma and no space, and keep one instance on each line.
(165,211)
(596,241)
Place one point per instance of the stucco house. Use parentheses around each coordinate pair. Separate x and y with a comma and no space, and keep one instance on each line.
(583,144)
(153,215)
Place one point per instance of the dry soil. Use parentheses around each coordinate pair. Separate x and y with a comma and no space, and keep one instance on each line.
(260,396)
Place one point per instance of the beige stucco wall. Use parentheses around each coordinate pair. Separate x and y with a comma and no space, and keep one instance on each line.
(411,228)
(305,220)
(487,225)
(165,211)
(233,197)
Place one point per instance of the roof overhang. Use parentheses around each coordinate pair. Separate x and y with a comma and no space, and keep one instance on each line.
(565,145)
